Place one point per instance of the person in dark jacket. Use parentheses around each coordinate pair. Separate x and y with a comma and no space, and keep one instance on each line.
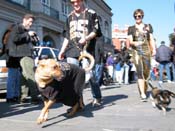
(172,46)
(20,48)
(13,79)
(163,56)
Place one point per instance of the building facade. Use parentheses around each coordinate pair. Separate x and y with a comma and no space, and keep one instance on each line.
(50,17)
(120,37)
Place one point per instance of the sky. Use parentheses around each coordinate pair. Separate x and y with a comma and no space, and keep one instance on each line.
(159,13)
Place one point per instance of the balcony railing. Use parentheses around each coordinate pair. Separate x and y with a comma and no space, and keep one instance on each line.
(46,9)
(50,11)
(23,3)
(53,13)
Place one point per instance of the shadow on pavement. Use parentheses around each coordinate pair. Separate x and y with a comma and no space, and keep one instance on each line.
(8,110)
(88,112)
(107,101)
(53,123)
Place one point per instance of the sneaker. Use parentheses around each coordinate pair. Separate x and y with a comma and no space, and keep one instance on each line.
(143,98)
(96,102)
(24,100)
(11,100)
(160,82)
(169,81)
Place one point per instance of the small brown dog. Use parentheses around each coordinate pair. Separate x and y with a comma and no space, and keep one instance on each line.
(59,82)
(161,98)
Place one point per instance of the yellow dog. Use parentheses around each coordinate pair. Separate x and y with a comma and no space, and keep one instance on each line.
(61,82)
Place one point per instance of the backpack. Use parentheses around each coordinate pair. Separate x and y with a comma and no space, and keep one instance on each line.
(5,39)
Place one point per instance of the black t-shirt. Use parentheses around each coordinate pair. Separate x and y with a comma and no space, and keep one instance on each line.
(132,31)
(81,26)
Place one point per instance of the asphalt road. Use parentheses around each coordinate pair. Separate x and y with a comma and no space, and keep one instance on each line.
(121,110)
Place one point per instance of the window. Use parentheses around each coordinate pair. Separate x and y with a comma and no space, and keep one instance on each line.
(46,7)
(21,2)
(100,22)
(46,2)
(64,7)
(106,29)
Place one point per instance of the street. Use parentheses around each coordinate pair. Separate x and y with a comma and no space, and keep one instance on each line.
(121,110)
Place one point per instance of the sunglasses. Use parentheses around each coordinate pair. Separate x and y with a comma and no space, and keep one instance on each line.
(138,16)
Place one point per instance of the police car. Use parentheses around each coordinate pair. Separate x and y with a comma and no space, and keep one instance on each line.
(40,52)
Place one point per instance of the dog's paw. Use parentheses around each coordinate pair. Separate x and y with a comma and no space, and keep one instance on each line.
(164,110)
(73,110)
(153,104)
(46,116)
(40,120)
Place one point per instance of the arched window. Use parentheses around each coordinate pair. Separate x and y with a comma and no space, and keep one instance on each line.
(106,29)
(48,41)
(101,22)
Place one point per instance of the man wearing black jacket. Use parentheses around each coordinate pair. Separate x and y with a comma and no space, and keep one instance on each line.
(82,28)
(20,48)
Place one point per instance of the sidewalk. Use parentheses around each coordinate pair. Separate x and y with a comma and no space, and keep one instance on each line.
(122,110)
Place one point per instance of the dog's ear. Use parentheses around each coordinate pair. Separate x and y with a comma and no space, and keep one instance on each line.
(57,66)
(54,63)
(41,62)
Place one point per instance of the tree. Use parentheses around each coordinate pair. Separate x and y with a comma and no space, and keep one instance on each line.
(172,38)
